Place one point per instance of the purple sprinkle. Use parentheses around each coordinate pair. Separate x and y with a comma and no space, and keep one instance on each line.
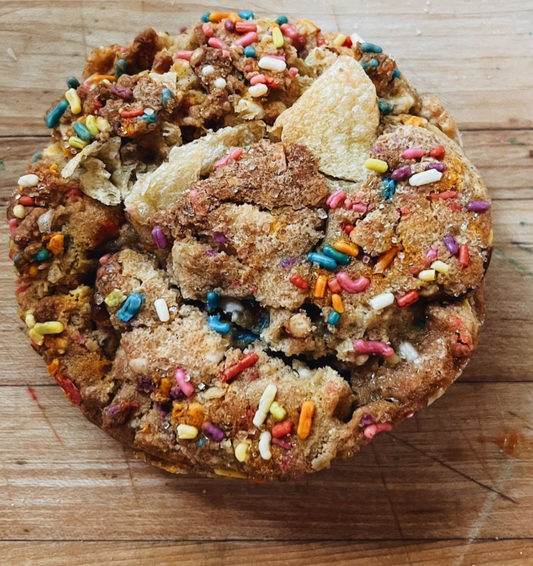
(159,237)
(478,206)
(214,432)
(367,419)
(402,173)
(282,443)
(376,149)
(124,93)
(438,166)
(145,385)
(176,392)
(229,25)
(451,244)
(114,410)
(220,238)
(211,252)
(366,258)
(288,262)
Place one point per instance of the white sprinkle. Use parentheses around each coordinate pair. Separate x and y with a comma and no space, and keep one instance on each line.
(304,372)
(440,266)
(356,38)
(215,357)
(266,400)
(28,180)
(228,304)
(259,89)
(12,54)
(220,83)
(381,301)
(149,111)
(264,445)
(208,70)
(408,351)
(272,64)
(161,308)
(425,177)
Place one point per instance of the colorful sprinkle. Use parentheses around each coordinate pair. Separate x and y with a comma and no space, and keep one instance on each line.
(282,20)
(396,74)
(213,431)
(258,90)
(246,15)
(73,82)
(385,107)
(336,301)
(149,117)
(346,248)
(445,195)
(376,165)
(322,260)
(373,63)
(74,100)
(427,275)
(339,40)
(464,255)
(336,199)
(339,257)
(264,445)
(131,307)
(282,429)
(82,131)
(26,201)
(320,286)
(298,281)
(402,173)
(166,96)
(242,451)
(249,51)
(159,237)
(186,432)
(437,152)
(373,347)
(370,48)
(103,124)
(389,189)
(413,153)
(409,352)
(408,299)
(121,67)
(440,267)
(54,116)
(246,40)
(77,142)
(267,398)
(478,206)
(334,318)
(425,177)
(41,255)
(373,429)
(185,55)
(131,112)
(90,123)
(214,323)
(245,337)
(115,298)
(184,382)
(245,362)
(438,166)
(213,300)
(334,285)
(451,244)
(381,301)
(277,38)
(245,27)
(19,211)
(161,308)
(49,327)
(352,285)
(306,419)
(272,64)
(277,411)
(205,17)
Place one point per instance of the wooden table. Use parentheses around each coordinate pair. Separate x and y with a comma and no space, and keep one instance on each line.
(453,486)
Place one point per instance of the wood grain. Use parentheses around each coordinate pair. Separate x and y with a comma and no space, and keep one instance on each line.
(452,486)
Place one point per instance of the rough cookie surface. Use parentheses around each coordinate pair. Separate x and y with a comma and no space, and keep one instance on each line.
(250,248)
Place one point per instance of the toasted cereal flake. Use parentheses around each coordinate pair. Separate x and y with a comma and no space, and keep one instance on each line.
(342,100)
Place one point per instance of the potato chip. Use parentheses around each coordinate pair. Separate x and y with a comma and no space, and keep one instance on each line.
(159,189)
(337,118)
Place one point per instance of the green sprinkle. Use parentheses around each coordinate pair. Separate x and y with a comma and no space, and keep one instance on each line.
(282,20)
(73,82)
(54,116)
(82,131)
(339,257)
(205,17)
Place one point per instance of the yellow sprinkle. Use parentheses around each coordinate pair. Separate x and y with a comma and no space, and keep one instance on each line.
(376,165)
(74,100)
(90,122)
(306,419)
(414,121)
(393,360)
(186,432)
(338,305)
(115,298)
(242,451)
(75,141)
(19,211)
(339,40)
(440,266)
(277,37)
(102,124)
(320,287)
(29,319)
(278,411)
(48,327)
(230,473)
(33,271)
(491,237)
(36,337)
(346,248)
(427,275)
(54,167)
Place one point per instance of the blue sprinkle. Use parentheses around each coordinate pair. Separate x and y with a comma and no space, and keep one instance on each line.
(364,64)
(385,107)
(41,255)
(374,63)
(16,257)
(131,307)
(246,15)
(213,300)
(217,325)
(73,82)
(82,131)
(396,74)
(389,188)
(246,337)
(36,156)
(322,260)
(205,17)
(249,51)
(150,118)
(122,67)
(53,117)
(370,47)
(201,443)
(166,96)
(339,257)
(334,317)
(282,20)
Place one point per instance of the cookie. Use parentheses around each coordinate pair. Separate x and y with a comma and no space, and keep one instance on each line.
(250,248)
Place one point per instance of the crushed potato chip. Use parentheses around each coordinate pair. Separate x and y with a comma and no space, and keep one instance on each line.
(337,118)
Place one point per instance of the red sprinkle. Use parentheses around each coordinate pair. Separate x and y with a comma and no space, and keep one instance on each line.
(334,286)
(464,255)
(282,443)
(408,299)
(246,39)
(26,201)
(258,79)
(320,42)
(244,27)
(245,362)
(348,228)
(443,196)
(298,281)
(71,391)
(133,113)
(437,152)
(372,347)
(289,31)
(348,42)
(282,429)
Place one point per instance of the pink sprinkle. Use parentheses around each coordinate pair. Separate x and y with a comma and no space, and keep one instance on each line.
(335,199)
(226,54)
(244,27)
(372,347)
(348,204)
(183,55)
(293,72)
(13,225)
(207,29)
(184,383)
(280,57)
(350,285)
(232,156)
(289,31)
(216,43)
(413,153)
(246,39)
(432,254)
(373,429)
(104,259)
(281,443)
(258,79)
(359,207)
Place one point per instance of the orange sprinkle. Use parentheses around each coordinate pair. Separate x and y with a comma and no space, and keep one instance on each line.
(298,281)
(385,260)
(53,367)
(234,17)
(100,78)
(56,243)
(337,303)
(165,386)
(218,16)
(54,167)
(320,287)
(306,419)
(414,121)
(346,248)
